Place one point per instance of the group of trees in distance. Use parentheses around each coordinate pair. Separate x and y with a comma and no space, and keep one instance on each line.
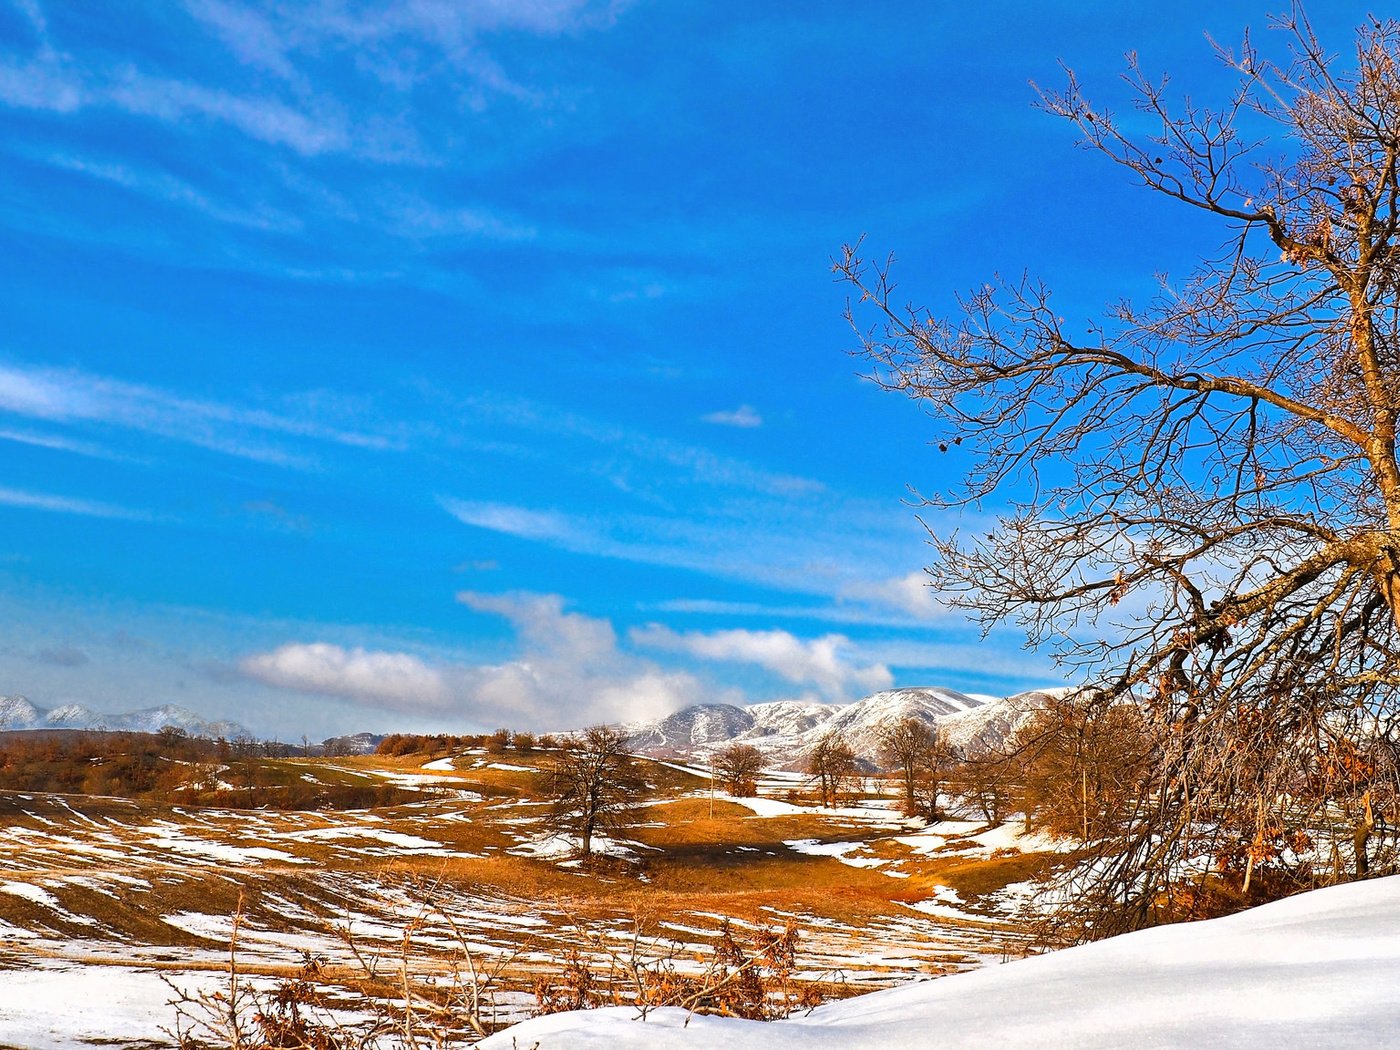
(171,765)
(496,743)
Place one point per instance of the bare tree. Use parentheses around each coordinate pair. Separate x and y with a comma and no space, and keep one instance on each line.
(595,784)
(914,750)
(1205,486)
(832,765)
(984,781)
(738,767)
(1083,766)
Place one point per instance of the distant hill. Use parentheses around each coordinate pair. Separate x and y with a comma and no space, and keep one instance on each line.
(786,729)
(17,712)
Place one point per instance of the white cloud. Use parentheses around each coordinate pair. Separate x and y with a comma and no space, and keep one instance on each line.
(838,612)
(398,681)
(568,672)
(825,663)
(159,185)
(248,34)
(745,416)
(822,549)
(264,119)
(545,628)
(40,84)
(49,81)
(57,443)
(450,24)
(910,593)
(691,463)
(34,15)
(1000,656)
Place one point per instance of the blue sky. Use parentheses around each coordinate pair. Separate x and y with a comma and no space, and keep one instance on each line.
(444,365)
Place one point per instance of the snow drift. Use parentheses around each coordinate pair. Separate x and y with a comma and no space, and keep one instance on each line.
(1321,969)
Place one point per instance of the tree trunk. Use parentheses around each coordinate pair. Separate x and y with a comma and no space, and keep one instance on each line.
(1362,836)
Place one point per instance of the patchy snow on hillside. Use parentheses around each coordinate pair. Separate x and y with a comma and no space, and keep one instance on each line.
(1321,969)
(786,730)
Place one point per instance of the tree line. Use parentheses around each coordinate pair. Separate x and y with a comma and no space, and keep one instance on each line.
(172,766)
(495,743)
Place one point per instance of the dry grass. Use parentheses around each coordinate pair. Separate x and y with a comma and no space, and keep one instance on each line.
(699,860)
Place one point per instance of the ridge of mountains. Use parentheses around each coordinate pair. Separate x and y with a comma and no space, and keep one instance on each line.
(17,712)
(786,729)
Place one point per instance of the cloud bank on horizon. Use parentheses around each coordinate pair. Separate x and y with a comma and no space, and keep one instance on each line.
(569,669)
(434,365)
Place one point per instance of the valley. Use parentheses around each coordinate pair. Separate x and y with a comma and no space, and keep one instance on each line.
(111,908)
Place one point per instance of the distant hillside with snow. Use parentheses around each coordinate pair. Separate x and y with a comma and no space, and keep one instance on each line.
(785,730)
(17,712)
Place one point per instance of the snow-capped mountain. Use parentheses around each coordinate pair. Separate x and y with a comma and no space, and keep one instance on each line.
(986,727)
(17,712)
(789,717)
(786,729)
(700,728)
(863,723)
(691,727)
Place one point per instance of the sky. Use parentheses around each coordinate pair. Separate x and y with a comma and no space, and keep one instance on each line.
(449,364)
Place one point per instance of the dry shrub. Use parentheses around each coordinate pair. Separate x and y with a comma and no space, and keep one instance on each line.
(748,976)
(393,1008)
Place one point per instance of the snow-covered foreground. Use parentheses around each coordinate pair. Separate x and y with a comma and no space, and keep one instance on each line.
(1321,969)
(76,1006)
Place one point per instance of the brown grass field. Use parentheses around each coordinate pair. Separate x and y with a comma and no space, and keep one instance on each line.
(104,882)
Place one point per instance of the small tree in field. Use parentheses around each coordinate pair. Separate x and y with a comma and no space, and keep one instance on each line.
(1205,487)
(738,767)
(595,784)
(831,765)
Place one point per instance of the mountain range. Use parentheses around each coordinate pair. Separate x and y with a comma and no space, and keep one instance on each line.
(786,729)
(17,712)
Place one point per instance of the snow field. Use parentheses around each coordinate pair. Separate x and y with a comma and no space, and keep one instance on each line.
(1321,969)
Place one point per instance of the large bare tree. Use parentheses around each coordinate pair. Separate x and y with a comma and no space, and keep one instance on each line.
(595,784)
(738,767)
(1205,489)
